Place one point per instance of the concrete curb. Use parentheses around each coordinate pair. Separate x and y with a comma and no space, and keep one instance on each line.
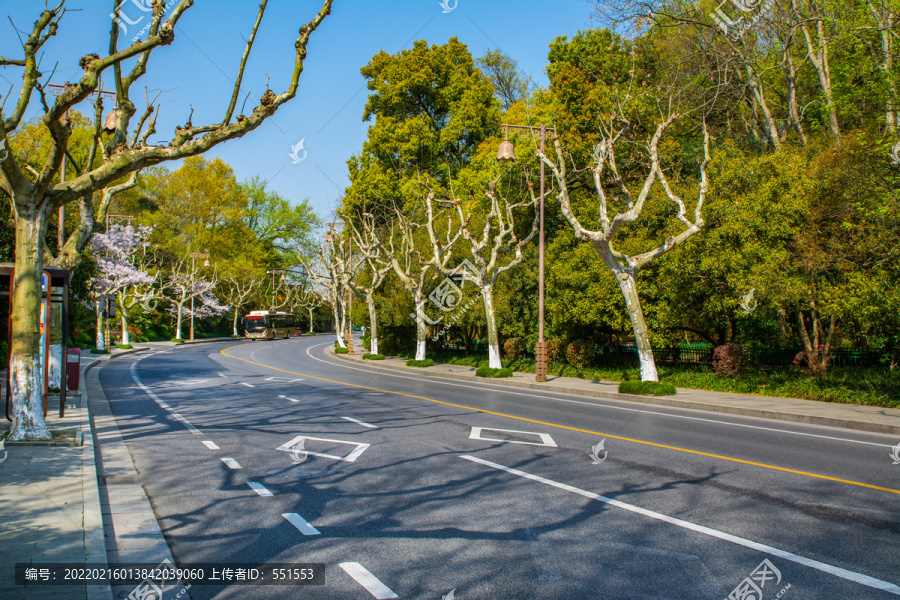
(669,401)
(94,540)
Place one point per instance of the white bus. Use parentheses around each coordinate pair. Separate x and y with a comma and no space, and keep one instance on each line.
(269,325)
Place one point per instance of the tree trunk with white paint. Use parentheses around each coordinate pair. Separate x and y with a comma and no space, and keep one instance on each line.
(101,339)
(24,364)
(338,326)
(628,285)
(178,321)
(234,324)
(124,316)
(311,327)
(421,326)
(373,324)
(491,319)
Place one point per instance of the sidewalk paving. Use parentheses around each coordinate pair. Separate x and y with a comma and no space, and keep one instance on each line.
(77,504)
(849,416)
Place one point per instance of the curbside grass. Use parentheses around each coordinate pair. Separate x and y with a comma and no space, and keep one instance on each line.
(420,363)
(647,388)
(489,372)
(373,356)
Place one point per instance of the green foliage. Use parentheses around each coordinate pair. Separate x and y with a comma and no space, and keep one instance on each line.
(647,388)
(420,363)
(177,341)
(373,356)
(489,372)
(579,353)
(339,350)
(514,348)
(124,346)
(96,351)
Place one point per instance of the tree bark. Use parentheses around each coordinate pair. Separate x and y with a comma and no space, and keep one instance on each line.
(24,364)
(234,324)
(373,324)
(628,285)
(421,326)
(101,339)
(311,327)
(491,320)
(178,321)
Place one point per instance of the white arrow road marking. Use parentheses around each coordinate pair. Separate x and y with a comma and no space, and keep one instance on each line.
(247,384)
(211,445)
(352,420)
(546,440)
(360,448)
(865,580)
(300,523)
(372,584)
(259,488)
(232,464)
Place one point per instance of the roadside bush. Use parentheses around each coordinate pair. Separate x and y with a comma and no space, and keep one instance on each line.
(489,372)
(373,356)
(514,348)
(647,388)
(729,360)
(177,341)
(579,353)
(556,350)
(95,351)
(420,363)
(124,346)
(339,350)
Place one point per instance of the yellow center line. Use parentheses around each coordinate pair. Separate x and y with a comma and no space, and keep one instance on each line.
(607,435)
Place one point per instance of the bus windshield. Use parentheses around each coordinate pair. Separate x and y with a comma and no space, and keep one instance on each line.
(255,324)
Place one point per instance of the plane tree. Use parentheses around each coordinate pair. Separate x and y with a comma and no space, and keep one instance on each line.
(37,193)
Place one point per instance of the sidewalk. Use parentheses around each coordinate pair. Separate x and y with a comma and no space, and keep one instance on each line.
(77,504)
(50,504)
(832,414)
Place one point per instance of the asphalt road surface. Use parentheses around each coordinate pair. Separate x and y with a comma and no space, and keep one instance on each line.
(410,487)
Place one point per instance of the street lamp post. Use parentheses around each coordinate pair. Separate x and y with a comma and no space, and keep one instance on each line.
(194,256)
(329,236)
(507,153)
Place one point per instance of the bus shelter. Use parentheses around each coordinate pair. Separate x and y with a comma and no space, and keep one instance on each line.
(54,328)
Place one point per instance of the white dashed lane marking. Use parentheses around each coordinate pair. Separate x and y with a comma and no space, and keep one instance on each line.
(231,463)
(211,445)
(300,523)
(247,384)
(352,420)
(259,488)
(363,577)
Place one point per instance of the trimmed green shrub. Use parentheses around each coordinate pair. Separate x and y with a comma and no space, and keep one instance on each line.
(339,350)
(489,372)
(579,353)
(95,351)
(373,356)
(420,363)
(124,346)
(177,341)
(647,388)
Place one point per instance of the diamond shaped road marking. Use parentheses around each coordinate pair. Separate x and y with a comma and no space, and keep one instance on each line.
(354,454)
(545,438)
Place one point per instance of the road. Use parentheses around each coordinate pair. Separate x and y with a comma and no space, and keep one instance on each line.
(413,500)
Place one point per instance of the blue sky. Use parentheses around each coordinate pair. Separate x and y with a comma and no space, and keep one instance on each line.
(197,70)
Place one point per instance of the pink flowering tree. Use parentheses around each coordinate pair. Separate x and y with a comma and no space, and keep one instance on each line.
(121,257)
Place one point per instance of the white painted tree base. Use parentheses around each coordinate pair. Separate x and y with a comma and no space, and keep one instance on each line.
(420,350)
(494,357)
